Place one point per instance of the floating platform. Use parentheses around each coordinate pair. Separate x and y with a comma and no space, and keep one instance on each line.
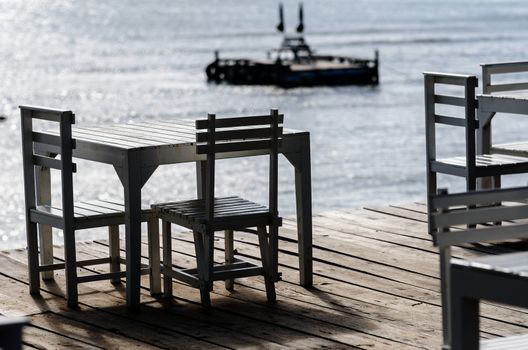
(294,65)
(376,286)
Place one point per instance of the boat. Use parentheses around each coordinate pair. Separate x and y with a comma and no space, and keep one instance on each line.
(294,64)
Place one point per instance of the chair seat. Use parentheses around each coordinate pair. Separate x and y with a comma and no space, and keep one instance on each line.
(229,213)
(515,264)
(484,163)
(514,148)
(87,214)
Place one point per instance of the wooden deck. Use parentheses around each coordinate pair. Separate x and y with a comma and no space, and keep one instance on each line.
(376,287)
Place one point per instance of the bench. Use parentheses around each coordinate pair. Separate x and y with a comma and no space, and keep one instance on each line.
(501,278)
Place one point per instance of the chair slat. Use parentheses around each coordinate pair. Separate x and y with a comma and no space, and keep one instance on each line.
(49,114)
(486,234)
(479,197)
(502,68)
(450,79)
(235,146)
(237,134)
(508,87)
(450,100)
(478,215)
(48,139)
(238,121)
(443,119)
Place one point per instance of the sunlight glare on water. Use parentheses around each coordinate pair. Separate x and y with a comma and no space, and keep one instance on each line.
(120,61)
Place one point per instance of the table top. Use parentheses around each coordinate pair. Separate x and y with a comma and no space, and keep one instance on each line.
(144,134)
(160,142)
(512,95)
(511,263)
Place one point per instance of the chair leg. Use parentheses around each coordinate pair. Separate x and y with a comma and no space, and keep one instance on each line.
(46,249)
(471,185)
(33,258)
(71,267)
(266,257)
(497,181)
(154,258)
(445,280)
(204,247)
(497,184)
(113,245)
(229,257)
(167,258)
(432,187)
(274,251)
(464,325)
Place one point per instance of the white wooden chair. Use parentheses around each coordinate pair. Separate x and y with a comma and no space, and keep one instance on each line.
(489,73)
(39,150)
(501,278)
(470,165)
(259,134)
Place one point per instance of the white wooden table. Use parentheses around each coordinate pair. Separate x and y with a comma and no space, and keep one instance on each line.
(136,150)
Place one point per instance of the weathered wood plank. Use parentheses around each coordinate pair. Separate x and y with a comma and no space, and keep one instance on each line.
(361,298)
(186,318)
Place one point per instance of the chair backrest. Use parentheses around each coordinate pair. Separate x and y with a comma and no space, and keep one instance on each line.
(245,135)
(474,208)
(502,68)
(39,150)
(467,84)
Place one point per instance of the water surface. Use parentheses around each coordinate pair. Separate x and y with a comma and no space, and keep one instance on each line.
(120,61)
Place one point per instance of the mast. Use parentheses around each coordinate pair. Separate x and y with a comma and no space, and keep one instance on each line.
(280,26)
(300,27)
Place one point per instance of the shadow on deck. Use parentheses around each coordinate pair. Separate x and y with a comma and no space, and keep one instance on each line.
(375,287)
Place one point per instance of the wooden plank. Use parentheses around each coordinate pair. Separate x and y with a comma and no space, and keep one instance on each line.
(293,320)
(342,287)
(239,121)
(360,299)
(138,134)
(49,139)
(294,264)
(113,134)
(175,135)
(452,79)
(479,215)
(85,135)
(163,324)
(44,339)
(454,121)
(66,332)
(175,125)
(235,147)
(505,67)
(508,87)
(250,133)
(450,100)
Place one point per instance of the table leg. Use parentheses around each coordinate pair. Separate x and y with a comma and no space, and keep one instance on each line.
(303,193)
(131,177)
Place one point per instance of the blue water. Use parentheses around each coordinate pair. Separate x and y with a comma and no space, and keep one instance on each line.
(121,61)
